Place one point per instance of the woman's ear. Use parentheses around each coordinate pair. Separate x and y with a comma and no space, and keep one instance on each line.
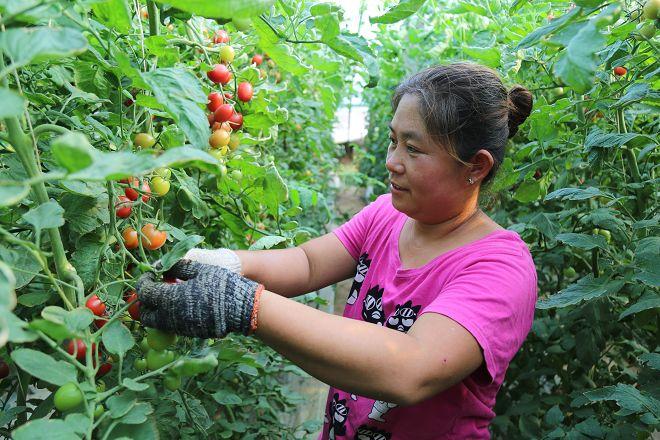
(481,164)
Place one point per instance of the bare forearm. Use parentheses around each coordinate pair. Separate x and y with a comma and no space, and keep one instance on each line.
(351,355)
(285,271)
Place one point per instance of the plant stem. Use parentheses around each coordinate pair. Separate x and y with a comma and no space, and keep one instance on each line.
(632,164)
(153,17)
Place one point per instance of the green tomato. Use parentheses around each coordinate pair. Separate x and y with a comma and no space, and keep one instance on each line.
(650,9)
(144,140)
(157,359)
(160,186)
(159,340)
(163,172)
(172,382)
(194,366)
(144,345)
(98,411)
(100,386)
(242,24)
(227,54)
(570,272)
(605,233)
(646,32)
(68,397)
(140,364)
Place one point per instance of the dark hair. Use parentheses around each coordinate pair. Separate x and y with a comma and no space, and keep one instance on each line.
(466,108)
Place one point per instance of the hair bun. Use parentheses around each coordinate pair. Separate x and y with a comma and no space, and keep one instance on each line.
(520,107)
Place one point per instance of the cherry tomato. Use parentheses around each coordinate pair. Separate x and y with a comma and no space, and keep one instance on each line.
(219,138)
(78,346)
(157,359)
(221,126)
(152,238)
(219,74)
(130,237)
(123,207)
(95,304)
(234,141)
(104,369)
(163,172)
(4,369)
(537,174)
(68,397)
(144,345)
(160,185)
(215,100)
(132,193)
(144,140)
(133,309)
(224,113)
(620,71)
(172,382)
(100,322)
(194,366)
(257,59)
(140,364)
(651,9)
(128,102)
(211,119)
(244,91)
(236,121)
(221,36)
(159,340)
(227,54)
(98,411)
(219,153)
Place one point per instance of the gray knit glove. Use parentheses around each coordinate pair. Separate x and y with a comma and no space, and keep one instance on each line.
(209,302)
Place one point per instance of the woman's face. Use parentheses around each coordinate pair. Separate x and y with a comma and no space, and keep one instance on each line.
(426,183)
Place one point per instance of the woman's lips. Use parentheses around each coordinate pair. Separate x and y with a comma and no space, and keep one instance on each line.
(397,187)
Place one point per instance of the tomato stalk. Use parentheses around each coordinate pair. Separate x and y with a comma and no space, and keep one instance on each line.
(629,154)
(153,17)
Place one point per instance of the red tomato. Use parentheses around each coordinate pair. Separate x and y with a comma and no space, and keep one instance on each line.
(4,369)
(95,304)
(211,118)
(153,238)
(221,36)
(133,309)
(104,369)
(215,100)
(133,193)
(257,59)
(236,121)
(123,207)
(79,345)
(219,74)
(244,91)
(224,113)
(130,237)
(620,71)
(146,191)
(100,322)
(228,95)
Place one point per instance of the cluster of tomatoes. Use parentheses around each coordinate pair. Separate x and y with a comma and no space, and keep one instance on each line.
(224,119)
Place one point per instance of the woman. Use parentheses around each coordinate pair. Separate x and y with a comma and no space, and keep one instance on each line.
(443,296)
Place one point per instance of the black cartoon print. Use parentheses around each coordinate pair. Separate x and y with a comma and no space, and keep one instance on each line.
(403,317)
(363,266)
(372,306)
(338,413)
(379,409)
(366,432)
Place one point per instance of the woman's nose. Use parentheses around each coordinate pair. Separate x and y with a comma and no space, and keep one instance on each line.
(393,163)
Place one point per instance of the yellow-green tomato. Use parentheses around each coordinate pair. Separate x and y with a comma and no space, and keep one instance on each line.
(163,172)
(227,54)
(237,175)
(157,359)
(159,340)
(172,382)
(144,140)
(234,141)
(650,9)
(160,186)
(98,411)
(223,170)
(140,364)
(68,397)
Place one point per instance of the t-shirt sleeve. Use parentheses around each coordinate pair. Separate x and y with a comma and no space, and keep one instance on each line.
(353,233)
(493,298)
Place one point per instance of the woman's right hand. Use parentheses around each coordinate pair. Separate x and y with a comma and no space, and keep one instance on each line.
(216,257)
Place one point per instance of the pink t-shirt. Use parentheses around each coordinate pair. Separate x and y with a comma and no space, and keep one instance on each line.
(488,286)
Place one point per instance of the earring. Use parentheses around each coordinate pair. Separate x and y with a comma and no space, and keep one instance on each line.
(470,181)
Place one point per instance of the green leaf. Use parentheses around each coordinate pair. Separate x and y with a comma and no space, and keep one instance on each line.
(12,193)
(45,429)
(583,241)
(574,194)
(267,242)
(585,289)
(402,10)
(117,339)
(640,306)
(86,258)
(32,299)
(78,319)
(78,422)
(114,14)
(652,359)
(225,397)
(222,8)
(280,52)
(179,250)
(528,191)
(138,414)
(490,56)
(275,190)
(578,63)
(12,105)
(17,328)
(647,255)
(44,367)
(181,94)
(7,287)
(73,151)
(534,37)
(40,43)
(627,397)
(600,139)
(85,214)
(47,215)
(134,385)
(120,404)
(634,93)
(554,416)
(59,332)
(21,258)
(466,7)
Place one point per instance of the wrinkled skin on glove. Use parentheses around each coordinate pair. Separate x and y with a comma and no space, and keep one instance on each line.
(209,302)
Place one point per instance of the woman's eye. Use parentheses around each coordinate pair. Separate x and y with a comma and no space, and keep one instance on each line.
(392,142)
(412,149)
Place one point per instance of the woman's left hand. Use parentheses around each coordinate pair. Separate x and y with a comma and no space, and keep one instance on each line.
(209,302)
